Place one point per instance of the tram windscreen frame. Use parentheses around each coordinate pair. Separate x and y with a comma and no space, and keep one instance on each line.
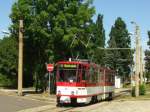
(67,72)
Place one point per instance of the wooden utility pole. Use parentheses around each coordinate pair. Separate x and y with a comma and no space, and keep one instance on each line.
(20,59)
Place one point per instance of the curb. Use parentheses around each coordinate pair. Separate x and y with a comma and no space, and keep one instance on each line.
(41,97)
(142,99)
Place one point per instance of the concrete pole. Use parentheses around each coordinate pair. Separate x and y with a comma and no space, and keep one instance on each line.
(144,72)
(137,63)
(141,66)
(20,58)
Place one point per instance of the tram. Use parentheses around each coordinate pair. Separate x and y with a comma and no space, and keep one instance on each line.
(83,82)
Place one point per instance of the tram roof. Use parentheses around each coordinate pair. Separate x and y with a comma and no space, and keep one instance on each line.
(86,63)
(72,62)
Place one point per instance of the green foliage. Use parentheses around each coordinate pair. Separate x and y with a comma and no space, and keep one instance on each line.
(147,59)
(147,75)
(8,54)
(8,61)
(133,91)
(99,35)
(50,27)
(4,81)
(142,89)
(119,38)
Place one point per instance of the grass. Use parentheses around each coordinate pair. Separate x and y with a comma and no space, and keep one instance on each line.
(129,97)
(141,97)
(148,87)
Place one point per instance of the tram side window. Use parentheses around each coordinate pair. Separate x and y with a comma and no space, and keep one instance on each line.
(93,75)
(96,74)
(79,73)
(100,76)
(84,73)
(109,77)
(112,78)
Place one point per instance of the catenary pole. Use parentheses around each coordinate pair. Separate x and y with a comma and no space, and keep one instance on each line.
(137,72)
(141,66)
(20,59)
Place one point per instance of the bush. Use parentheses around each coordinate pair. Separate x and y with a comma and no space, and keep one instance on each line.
(142,89)
(4,81)
(133,91)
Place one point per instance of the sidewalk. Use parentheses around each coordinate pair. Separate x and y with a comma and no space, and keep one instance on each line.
(30,94)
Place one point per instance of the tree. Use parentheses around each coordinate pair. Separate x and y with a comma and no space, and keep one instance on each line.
(119,38)
(50,27)
(99,34)
(8,61)
(73,22)
(147,59)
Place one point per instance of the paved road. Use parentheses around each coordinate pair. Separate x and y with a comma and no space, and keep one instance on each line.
(113,106)
(116,106)
(15,103)
(52,106)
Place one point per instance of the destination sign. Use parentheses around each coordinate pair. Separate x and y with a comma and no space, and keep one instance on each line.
(69,66)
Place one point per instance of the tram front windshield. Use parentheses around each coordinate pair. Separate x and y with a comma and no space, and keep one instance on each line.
(67,73)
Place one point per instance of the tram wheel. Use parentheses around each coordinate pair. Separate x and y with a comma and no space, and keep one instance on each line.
(58,102)
(94,99)
(74,101)
(110,97)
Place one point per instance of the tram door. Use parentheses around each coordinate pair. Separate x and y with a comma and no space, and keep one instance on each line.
(82,74)
(104,83)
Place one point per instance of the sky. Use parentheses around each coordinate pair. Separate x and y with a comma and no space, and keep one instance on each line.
(5,9)
(128,10)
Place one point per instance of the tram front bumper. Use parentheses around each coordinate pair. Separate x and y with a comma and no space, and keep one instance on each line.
(65,99)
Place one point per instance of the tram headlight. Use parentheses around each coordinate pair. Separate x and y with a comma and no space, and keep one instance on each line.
(59,92)
(72,92)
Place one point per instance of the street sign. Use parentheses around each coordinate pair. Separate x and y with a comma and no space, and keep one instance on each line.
(50,67)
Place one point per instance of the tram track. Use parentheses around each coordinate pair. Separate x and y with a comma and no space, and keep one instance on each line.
(68,108)
(58,109)
(122,92)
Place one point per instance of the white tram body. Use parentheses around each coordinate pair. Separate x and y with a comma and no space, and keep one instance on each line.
(83,82)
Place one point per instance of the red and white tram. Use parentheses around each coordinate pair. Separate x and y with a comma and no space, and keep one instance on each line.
(83,82)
